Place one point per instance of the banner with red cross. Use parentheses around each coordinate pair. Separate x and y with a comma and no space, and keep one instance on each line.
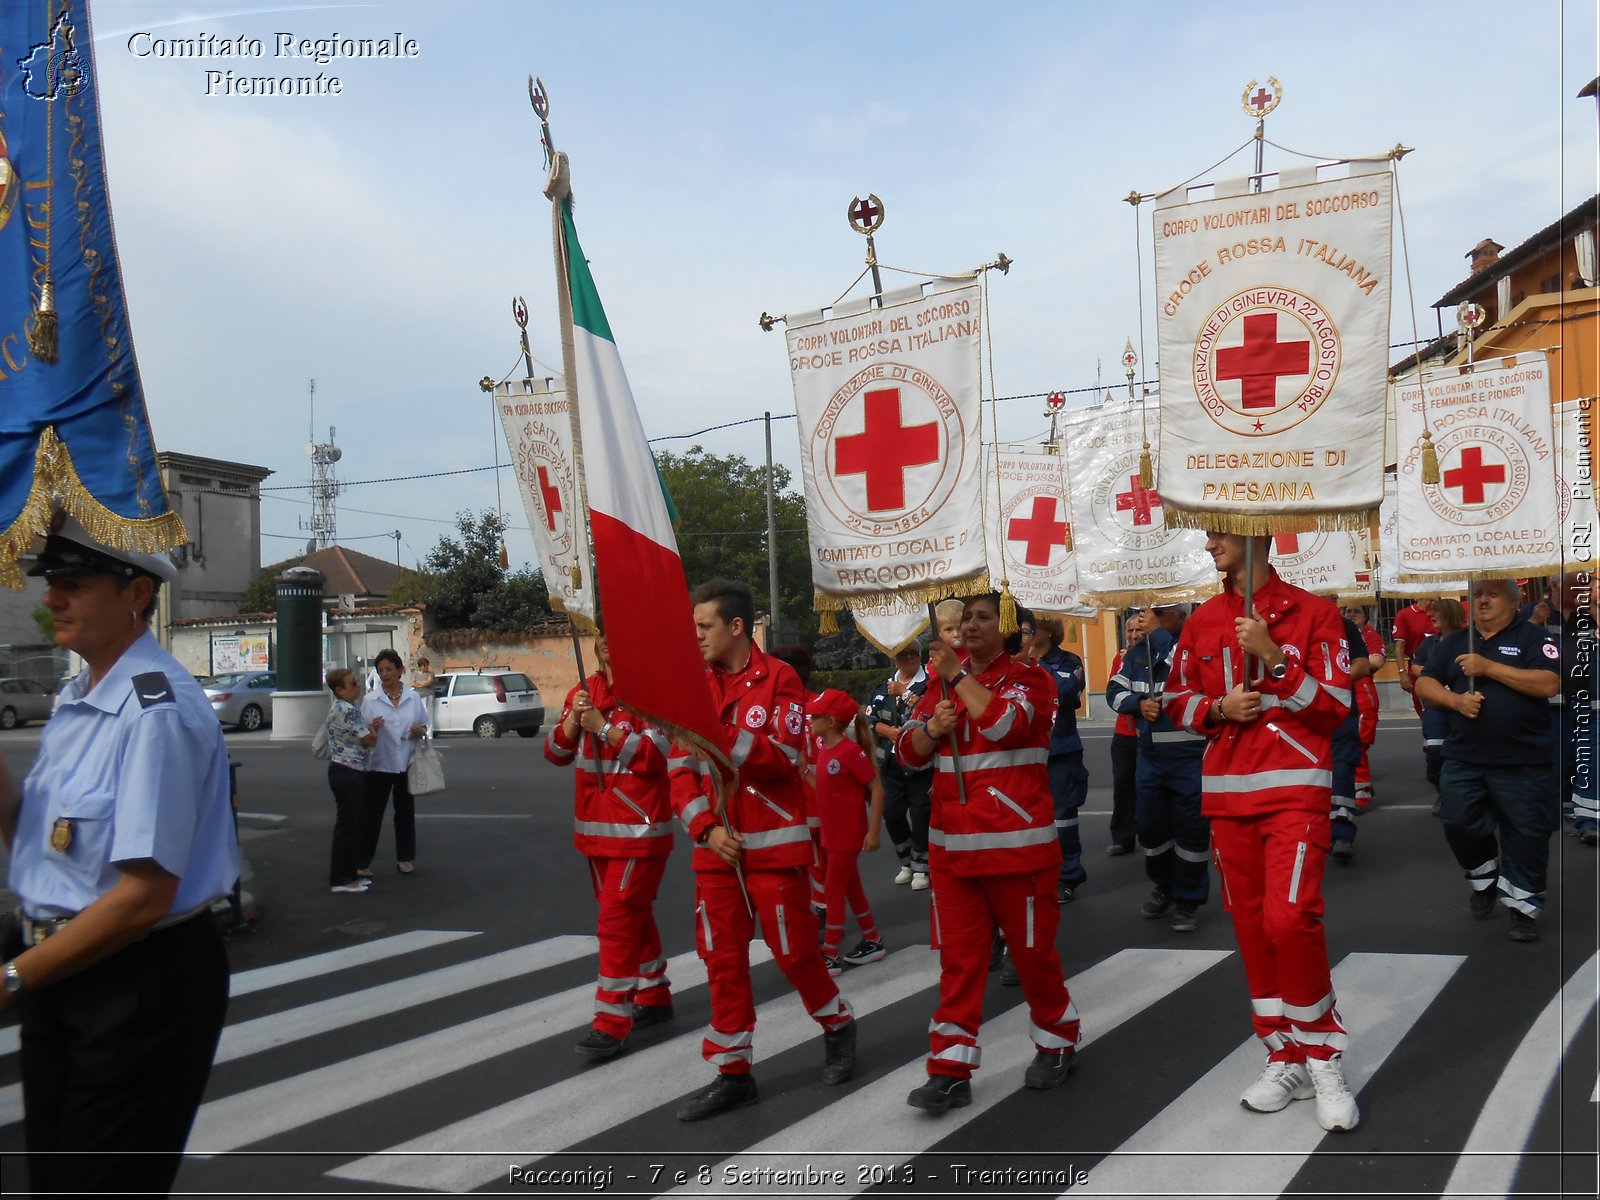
(1389,581)
(1575,504)
(1127,552)
(1324,563)
(533,413)
(1029,540)
(1493,512)
(1273,321)
(888,403)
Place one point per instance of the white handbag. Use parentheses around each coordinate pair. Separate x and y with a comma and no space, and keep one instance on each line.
(425,775)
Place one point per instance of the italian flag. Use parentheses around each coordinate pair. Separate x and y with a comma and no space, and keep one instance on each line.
(644,597)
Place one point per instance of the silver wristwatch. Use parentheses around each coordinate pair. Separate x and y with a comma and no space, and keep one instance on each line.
(1279,671)
(13,979)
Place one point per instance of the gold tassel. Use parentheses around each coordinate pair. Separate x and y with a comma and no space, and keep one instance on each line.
(828,625)
(1430,459)
(43,333)
(505,557)
(1066,537)
(1008,609)
(577,577)
(1147,470)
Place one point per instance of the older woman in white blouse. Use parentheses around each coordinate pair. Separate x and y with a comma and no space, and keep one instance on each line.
(404,722)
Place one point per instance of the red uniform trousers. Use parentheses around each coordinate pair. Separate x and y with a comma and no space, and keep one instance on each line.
(818,871)
(723,929)
(844,886)
(966,909)
(632,970)
(1367,702)
(1271,872)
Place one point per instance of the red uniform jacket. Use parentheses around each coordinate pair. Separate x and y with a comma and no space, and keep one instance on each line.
(626,812)
(1284,758)
(1007,824)
(764,710)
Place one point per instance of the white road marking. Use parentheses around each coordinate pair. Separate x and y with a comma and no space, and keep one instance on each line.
(1489,1161)
(1381,995)
(458,1158)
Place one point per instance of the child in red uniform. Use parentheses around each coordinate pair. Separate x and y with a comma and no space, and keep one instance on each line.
(847,785)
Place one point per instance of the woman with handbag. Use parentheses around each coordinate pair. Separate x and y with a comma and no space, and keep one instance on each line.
(402,721)
(346,741)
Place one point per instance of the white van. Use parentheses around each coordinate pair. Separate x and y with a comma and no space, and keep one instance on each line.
(487,703)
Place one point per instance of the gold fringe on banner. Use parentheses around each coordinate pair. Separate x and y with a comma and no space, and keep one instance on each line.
(1266,524)
(1474,575)
(828,623)
(56,485)
(891,651)
(1145,597)
(583,624)
(927,593)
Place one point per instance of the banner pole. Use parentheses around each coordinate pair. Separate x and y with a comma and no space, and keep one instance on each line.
(1472,636)
(1249,597)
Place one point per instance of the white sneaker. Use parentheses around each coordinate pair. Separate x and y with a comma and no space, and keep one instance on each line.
(919,881)
(1336,1104)
(905,874)
(1279,1084)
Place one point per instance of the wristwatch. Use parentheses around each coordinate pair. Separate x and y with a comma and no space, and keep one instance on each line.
(956,679)
(13,979)
(1279,671)
(605,732)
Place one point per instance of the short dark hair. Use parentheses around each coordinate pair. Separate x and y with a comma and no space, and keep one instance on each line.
(732,598)
(1013,643)
(123,582)
(797,657)
(389,656)
(1053,627)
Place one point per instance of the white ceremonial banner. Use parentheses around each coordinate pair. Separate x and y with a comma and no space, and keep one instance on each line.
(1028,542)
(891,625)
(1273,320)
(1389,581)
(1365,588)
(1324,563)
(1127,554)
(1575,503)
(889,407)
(533,413)
(1493,513)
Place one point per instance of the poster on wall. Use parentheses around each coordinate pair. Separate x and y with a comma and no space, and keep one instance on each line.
(240,652)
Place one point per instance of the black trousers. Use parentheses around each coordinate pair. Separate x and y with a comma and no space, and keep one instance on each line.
(115,1060)
(1124,787)
(349,788)
(379,785)
(907,804)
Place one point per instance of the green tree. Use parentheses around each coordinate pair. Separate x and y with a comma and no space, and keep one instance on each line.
(262,595)
(466,587)
(46,621)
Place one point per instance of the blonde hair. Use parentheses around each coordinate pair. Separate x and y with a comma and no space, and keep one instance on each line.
(336,677)
(948,611)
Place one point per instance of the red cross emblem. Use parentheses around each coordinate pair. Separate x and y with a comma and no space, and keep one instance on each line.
(1472,474)
(1040,531)
(1138,500)
(885,450)
(1264,99)
(865,215)
(1286,543)
(551,495)
(1261,360)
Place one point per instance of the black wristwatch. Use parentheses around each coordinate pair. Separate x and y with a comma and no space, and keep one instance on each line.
(955,680)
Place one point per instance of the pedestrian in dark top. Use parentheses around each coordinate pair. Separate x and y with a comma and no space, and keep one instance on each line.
(905,792)
(1069,779)
(1498,780)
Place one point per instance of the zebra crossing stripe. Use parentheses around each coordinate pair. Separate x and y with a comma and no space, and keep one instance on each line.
(458,1157)
(324,1016)
(1381,996)
(1489,1161)
(264,1112)
(871,1118)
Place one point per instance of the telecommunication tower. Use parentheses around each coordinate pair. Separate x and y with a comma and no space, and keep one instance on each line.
(323,522)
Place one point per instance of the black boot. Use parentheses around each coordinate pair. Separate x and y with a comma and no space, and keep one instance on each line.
(941,1092)
(600,1046)
(726,1093)
(646,1015)
(839,1053)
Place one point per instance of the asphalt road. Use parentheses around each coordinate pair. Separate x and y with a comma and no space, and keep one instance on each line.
(1475,1077)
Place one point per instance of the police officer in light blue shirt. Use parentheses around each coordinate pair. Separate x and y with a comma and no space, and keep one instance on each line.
(121,837)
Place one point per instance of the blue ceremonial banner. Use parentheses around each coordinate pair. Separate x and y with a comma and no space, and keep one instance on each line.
(74,434)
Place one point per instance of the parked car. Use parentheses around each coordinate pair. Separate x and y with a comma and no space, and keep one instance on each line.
(243,698)
(23,700)
(486,703)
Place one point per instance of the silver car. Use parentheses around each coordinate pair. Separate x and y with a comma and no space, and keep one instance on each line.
(243,698)
(21,701)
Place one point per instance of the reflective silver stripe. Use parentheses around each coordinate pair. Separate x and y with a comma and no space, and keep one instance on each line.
(787,816)
(933,896)
(692,810)
(654,967)
(1002,726)
(997,759)
(1027,937)
(1342,695)
(657,739)
(1267,1006)
(959,1053)
(1429,743)
(705,926)
(650,982)
(1278,729)
(1067,823)
(613,1010)
(612,984)
(1294,879)
(628,800)
(1227,669)
(1274,1041)
(1485,868)
(731,1056)
(1165,736)
(1152,851)
(1526,907)
(1302,695)
(559,751)
(1266,779)
(683,762)
(1335,1039)
(1194,856)
(1046,1040)
(788,752)
(1191,712)
(1025,705)
(990,841)
(838,1006)
(950,1029)
(617,829)
(783,931)
(1121,681)
(742,745)
(627,871)
(1516,893)
(776,837)
(1327,663)
(1310,1012)
(1010,803)
(730,1041)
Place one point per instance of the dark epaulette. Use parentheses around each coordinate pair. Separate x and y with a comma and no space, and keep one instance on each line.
(152,688)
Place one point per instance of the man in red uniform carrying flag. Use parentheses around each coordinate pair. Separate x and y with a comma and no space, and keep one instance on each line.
(993,851)
(623,823)
(1268,691)
(752,859)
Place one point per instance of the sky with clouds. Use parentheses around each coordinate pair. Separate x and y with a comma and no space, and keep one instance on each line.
(374,240)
